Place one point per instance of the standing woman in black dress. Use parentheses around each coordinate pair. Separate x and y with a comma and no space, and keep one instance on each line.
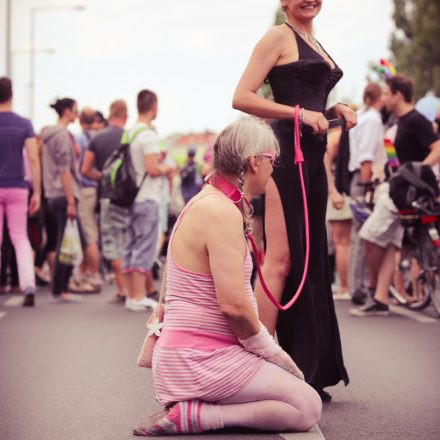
(299,72)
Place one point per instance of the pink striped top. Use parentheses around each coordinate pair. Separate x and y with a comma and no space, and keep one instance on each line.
(197,355)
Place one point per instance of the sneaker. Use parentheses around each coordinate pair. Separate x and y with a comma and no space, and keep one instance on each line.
(117,299)
(141,305)
(28,300)
(359,297)
(371,308)
(342,296)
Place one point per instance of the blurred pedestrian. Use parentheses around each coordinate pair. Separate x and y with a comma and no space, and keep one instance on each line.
(17,133)
(87,279)
(143,217)
(300,73)
(112,218)
(190,177)
(61,182)
(215,364)
(99,122)
(339,214)
(366,151)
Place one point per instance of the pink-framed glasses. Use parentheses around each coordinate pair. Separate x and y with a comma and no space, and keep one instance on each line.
(270,156)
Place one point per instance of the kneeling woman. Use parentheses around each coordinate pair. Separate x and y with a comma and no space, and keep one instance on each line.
(215,365)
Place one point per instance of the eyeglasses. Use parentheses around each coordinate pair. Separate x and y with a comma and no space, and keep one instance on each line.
(270,156)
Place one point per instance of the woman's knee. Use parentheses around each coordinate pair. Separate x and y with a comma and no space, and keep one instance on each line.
(310,409)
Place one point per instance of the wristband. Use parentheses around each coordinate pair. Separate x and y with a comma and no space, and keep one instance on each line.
(301,115)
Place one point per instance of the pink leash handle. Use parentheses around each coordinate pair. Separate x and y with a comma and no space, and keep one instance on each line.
(299,159)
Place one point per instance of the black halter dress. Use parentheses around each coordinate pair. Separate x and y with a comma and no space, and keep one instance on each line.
(308,330)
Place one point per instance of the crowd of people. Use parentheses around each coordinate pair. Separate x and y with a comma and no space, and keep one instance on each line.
(367,250)
(59,176)
(216,363)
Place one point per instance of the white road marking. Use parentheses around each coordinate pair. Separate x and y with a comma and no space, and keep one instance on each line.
(313,434)
(419,317)
(2,315)
(14,301)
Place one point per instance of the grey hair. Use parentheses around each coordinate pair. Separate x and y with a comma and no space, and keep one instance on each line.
(248,136)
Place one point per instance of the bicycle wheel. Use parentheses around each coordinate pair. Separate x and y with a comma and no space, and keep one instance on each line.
(435,293)
(426,280)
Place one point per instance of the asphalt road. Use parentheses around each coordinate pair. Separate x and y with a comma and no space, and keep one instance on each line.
(68,372)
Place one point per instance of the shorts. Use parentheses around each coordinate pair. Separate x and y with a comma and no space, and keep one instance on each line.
(113,224)
(142,235)
(344,213)
(87,213)
(383,227)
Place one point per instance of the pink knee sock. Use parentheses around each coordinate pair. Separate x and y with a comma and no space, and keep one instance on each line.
(187,417)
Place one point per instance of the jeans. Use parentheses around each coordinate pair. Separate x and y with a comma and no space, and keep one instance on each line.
(14,202)
(62,272)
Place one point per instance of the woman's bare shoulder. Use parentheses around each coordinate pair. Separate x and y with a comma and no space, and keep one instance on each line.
(277,34)
(218,210)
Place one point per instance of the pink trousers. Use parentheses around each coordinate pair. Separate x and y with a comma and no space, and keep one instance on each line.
(14,202)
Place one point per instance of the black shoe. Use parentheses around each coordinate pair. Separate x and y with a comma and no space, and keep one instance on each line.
(117,299)
(41,281)
(28,300)
(372,308)
(325,397)
(359,297)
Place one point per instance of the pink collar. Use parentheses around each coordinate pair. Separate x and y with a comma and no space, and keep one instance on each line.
(227,188)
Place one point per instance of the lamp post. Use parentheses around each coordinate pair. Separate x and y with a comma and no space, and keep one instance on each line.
(8,66)
(34,11)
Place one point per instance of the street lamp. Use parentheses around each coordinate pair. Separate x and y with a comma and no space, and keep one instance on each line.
(34,11)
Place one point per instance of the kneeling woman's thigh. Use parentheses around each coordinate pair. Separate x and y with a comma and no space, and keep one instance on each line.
(273,383)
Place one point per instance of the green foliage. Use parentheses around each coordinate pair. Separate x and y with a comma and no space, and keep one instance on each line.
(415,43)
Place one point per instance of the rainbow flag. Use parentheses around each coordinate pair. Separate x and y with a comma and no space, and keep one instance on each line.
(390,149)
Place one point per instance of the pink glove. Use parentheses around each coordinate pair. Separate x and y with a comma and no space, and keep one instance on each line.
(264,345)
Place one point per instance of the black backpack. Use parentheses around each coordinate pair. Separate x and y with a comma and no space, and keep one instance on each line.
(410,182)
(118,179)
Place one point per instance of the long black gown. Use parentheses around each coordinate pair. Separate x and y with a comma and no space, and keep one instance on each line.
(309,330)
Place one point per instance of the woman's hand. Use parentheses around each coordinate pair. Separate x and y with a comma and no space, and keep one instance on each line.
(316,120)
(345,112)
(336,198)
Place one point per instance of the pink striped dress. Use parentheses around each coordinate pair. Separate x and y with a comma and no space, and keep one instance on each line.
(197,355)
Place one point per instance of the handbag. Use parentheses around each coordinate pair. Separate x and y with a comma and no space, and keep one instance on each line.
(154,325)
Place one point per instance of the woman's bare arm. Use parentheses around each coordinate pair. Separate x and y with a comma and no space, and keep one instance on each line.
(265,55)
(226,249)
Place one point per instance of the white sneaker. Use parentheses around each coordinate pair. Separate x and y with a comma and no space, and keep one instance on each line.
(342,296)
(140,305)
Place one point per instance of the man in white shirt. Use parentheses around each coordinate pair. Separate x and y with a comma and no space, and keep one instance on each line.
(366,149)
(143,221)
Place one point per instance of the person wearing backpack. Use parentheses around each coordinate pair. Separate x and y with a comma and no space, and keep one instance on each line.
(112,218)
(382,232)
(143,217)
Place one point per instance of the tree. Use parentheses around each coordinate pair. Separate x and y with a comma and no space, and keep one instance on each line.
(415,43)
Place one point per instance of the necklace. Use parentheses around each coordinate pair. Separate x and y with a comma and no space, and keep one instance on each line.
(308,37)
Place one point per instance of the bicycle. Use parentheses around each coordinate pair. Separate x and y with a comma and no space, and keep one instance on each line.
(362,209)
(422,241)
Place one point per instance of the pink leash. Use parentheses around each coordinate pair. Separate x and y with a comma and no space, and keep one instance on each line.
(299,159)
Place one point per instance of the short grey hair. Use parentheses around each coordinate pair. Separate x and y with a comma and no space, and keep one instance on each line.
(248,136)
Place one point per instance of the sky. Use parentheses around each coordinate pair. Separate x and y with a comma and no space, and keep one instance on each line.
(190,52)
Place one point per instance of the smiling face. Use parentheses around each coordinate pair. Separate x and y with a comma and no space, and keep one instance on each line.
(301,10)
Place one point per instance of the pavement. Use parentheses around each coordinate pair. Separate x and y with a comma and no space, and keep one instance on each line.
(68,372)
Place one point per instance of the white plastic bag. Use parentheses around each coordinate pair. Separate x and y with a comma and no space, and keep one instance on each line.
(71,250)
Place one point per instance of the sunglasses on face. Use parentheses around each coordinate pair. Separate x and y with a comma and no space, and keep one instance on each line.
(269,156)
